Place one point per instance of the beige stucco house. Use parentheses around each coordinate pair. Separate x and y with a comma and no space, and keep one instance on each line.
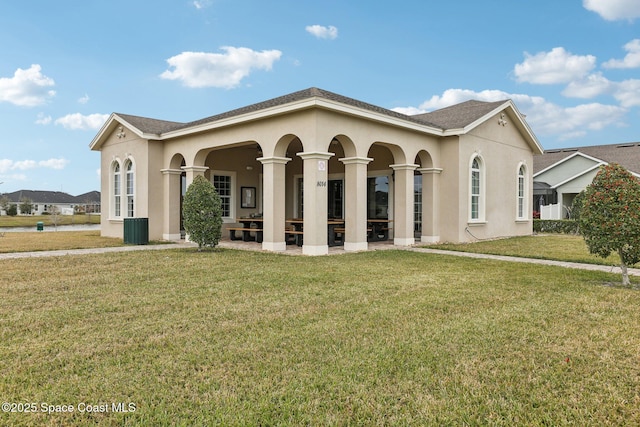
(314,157)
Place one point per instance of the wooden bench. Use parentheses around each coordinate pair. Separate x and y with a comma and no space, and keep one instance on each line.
(342,231)
(296,237)
(246,234)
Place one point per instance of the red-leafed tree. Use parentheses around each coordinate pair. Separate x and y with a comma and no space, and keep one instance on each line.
(610,216)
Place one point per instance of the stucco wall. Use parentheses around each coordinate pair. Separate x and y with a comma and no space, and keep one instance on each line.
(502,150)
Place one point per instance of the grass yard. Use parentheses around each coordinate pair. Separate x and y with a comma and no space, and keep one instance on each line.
(49,241)
(560,247)
(380,338)
(32,220)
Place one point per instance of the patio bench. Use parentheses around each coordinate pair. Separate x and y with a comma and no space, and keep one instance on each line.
(296,237)
(246,234)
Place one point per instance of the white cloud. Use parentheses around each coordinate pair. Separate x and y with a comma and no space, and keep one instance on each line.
(631,60)
(24,164)
(83,100)
(201,4)
(589,87)
(7,165)
(201,69)
(628,93)
(43,119)
(613,10)
(54,163)
(556,66)
(78,121)
(544,117)
(26,88)
(322,32)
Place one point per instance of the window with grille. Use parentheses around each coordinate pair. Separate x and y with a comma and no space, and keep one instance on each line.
(224,189)
(130,188)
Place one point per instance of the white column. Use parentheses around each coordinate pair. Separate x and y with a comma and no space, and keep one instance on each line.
(355,203)
(403,204)
(193,171)
(171,201)
(316,165)
(273,178)
(430,205)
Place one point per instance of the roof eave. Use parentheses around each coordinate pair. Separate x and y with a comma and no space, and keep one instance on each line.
(522,125)
(110,125)
(559,162)
(313,102)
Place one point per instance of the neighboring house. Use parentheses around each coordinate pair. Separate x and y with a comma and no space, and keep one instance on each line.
(46,201)
(88,202)
(561,174)
(455,174)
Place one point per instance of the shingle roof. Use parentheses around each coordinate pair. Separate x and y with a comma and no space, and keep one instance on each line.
(627,155)
(454,117)
(90,197)
(148,125)
(54,197)
(306,94)
(460,115)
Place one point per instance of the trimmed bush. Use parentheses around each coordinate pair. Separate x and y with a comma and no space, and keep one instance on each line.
(566,226)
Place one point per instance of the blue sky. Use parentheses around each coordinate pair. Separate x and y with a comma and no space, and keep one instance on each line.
(571,66)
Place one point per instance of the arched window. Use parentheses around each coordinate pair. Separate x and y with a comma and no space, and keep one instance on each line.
(522,193)
(116,190)
(130,188)
(476,190)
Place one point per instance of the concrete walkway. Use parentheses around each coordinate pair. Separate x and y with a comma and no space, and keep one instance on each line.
(566,264)
(333,251)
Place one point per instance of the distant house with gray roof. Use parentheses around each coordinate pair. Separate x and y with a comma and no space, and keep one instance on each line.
(561,174)
(330,168)
(46,201)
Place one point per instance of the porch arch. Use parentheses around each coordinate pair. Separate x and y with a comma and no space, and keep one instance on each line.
(173,187)
(429,207)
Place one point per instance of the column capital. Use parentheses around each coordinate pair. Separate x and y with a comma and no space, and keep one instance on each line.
(407,167)
(171,171)
(316,155)
(356,160)
(274,160)
(428,171)
(195,168)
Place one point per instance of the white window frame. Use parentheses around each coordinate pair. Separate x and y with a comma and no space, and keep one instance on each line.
(115,191)
(130,196)
(481,194)
(522,193)
(232,193)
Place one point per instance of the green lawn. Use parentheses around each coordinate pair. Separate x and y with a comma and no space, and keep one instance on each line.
(32,220)
(560,247)
(49,241)
(379,338)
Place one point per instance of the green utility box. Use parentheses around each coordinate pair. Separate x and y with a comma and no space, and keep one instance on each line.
(40,226)
(136,231)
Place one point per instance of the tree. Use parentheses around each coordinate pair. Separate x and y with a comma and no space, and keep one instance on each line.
(5,202)
(26,206)
(12,210)
(202,212)
(610,216)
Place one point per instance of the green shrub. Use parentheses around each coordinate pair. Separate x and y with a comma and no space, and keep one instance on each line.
(566,226)
(202,210)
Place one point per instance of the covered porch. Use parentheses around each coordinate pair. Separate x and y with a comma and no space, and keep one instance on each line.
(287,197)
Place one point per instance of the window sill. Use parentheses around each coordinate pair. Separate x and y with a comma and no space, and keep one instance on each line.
(116,219)
(522,221)
(476,223)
